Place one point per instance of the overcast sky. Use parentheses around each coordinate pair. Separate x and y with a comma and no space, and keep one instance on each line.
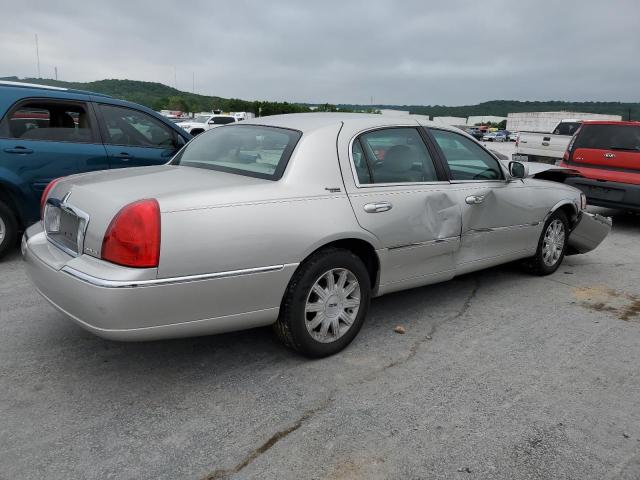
(338,51)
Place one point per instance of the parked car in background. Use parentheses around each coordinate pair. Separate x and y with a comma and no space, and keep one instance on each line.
(494,137)
(545,147)
(202,123)
(476,133)
(50,132)
(296,221)
(513,136)
(607,154)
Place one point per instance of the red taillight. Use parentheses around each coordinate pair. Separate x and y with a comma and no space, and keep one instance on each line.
(133,237)
(45,194)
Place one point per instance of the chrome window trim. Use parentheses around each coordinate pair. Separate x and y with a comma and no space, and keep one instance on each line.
(83,218)
(101,282)
(352,164)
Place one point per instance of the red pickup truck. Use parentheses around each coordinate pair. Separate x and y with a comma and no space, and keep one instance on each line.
(607,154)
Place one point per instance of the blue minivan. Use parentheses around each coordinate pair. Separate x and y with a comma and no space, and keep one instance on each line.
(50,132)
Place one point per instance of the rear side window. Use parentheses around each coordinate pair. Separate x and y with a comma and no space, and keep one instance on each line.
(49,121)
(609,137)
(393,155)
(125,126)
(251,150)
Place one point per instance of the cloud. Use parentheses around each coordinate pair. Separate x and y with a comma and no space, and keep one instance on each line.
(401,52)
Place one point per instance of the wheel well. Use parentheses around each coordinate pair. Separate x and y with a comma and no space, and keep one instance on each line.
(362,249)
(570,211)
(7,199)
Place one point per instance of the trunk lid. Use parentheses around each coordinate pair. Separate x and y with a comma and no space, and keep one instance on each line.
(99,196)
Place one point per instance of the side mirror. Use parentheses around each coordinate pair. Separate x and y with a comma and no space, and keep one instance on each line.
(518,170)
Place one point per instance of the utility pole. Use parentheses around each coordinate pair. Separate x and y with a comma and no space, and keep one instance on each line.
(55,70)
(38,55)
(193,82)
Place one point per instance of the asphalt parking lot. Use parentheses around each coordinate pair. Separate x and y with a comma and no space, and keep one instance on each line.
(500,375)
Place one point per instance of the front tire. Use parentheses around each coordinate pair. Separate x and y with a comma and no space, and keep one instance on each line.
(8,229)
(552,245)
(325,304)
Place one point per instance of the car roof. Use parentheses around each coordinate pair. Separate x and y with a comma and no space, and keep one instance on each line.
(611,122)
(37,86)
(309,122)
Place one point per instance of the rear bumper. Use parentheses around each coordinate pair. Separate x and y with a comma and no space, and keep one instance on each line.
(590,231)
(123,307)
(608,194)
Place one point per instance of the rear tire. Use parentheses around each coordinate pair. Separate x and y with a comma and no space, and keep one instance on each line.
(325,304)
(552,246)
(8,229)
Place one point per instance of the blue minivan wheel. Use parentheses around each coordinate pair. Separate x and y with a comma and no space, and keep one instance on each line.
(8,229)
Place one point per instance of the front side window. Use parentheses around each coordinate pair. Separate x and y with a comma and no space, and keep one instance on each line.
(136,129)
(392,155)
(466,159)
(49,121)
(251,150)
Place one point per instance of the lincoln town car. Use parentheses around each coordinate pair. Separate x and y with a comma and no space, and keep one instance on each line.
(294,221)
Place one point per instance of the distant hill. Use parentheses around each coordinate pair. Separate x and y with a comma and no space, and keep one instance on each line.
(501,108)
(159,96)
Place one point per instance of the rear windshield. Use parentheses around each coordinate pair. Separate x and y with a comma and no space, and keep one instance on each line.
(609,137)
(251,150)
(222,120)
(567,128)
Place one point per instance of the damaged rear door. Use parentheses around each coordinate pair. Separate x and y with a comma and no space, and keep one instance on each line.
(500,218)
(401,195)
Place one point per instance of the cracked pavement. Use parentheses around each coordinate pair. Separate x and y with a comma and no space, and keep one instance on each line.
(500,375)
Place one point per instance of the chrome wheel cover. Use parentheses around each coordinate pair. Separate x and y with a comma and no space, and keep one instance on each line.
(332,305)
(553,243)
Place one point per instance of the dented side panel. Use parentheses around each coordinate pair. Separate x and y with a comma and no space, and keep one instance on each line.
(506,222)
(421,230)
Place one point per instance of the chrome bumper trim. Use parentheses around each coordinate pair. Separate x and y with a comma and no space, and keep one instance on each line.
(101,282)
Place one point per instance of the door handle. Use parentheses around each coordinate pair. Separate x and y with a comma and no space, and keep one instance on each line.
(545,144)
(377,207)
(546,139)
(609,155)
(23,150)
(474,199)
(124,156)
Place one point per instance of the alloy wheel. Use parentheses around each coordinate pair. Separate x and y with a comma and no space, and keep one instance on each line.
(553,243)
(332,305)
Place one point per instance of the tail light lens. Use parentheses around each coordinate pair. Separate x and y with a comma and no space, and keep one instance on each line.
(133,237)
(46,193)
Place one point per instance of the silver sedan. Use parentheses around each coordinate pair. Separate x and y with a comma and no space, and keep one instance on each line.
(296,221)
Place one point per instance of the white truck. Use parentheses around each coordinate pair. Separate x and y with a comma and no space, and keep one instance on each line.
(546,147)
(206,121)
